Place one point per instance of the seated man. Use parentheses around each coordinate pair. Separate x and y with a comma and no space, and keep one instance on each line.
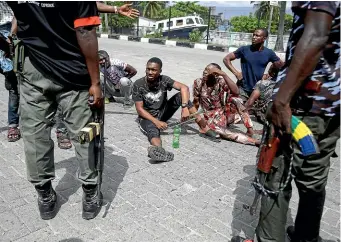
(118,85)
(261,95)
(208,92)
(153,108)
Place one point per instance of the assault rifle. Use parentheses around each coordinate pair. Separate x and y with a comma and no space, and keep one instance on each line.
(267,151)
(94,132)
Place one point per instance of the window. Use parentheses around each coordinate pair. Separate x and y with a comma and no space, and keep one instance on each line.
(197,20)
(171,24)
(160,26)
(179,22)
(189,21)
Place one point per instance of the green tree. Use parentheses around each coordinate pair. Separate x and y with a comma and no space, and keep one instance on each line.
(246,24)
(151,9)
(249,23)
(117,21)
(263,9)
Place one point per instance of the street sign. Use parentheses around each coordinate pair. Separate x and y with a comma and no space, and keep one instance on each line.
(274,3)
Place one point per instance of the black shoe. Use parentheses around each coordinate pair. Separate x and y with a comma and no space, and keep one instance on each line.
(240,239)
(92,202)
(291,233)
(47,200)
(158,153)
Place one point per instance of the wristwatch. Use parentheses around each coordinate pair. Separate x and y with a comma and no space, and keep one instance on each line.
(184,105)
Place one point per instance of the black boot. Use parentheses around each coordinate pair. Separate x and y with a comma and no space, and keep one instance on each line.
(240,239)
(47,200)
(291,234)
(92,202)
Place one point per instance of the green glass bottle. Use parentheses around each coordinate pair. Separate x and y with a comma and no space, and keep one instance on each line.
(176,136)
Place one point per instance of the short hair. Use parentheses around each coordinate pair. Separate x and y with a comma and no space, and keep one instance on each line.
(216,65)
(102,54)
(155,60)
(265,31)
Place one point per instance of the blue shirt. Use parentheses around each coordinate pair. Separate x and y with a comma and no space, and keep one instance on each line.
(253,64)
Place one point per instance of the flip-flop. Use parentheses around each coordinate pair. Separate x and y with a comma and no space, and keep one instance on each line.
(64,141)
(211,135)
(157,153)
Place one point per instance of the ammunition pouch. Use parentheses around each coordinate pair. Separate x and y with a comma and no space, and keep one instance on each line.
(18,56)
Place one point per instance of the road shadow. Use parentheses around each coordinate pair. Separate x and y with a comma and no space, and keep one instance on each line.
(71,240)
(243,223)
(2,129)
(115,168)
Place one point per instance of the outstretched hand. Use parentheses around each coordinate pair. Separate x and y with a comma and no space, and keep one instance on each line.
(127,11)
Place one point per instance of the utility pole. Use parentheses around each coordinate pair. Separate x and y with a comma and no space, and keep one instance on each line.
(169,17)
(208,24)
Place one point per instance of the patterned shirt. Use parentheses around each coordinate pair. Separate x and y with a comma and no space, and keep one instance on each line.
(265,88)
(116,71)
(6,13)
(210,97)
(327,101)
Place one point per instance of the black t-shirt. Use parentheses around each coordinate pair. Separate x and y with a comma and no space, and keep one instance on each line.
(47,30)
(154,99)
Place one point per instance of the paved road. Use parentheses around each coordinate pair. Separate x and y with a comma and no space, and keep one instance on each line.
(197,197)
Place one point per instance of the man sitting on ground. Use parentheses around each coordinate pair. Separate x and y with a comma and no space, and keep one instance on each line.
(154,110)
(261,95)
(118,85)
(208,92)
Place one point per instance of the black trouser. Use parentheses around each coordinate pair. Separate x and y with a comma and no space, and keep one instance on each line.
(172,105)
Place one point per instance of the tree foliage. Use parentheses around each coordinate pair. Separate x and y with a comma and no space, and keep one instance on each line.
(249,23)
(263,9)
(118,21)
(195,36)
(151,9)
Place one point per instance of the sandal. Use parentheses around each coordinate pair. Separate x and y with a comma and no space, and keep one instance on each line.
(64,141)
(13,134)
(211,135)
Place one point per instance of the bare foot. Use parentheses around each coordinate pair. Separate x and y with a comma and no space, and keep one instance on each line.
(249,132)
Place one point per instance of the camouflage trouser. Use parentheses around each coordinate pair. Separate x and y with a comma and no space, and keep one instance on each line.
(39,98)
(310,175)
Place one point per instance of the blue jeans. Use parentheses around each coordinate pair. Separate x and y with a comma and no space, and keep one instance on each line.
(11,85)
(11,82)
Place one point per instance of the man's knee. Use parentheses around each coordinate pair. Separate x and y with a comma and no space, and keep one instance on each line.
(179,100)
(125,81)
(149,129)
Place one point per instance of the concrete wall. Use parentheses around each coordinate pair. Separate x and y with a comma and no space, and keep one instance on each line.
(240,39)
